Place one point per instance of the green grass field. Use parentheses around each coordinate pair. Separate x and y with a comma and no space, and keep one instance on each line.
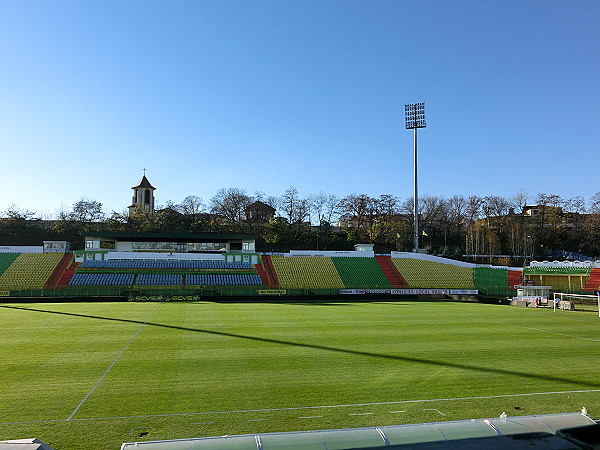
(94,375)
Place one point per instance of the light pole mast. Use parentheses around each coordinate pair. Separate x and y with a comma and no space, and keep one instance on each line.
(415,118)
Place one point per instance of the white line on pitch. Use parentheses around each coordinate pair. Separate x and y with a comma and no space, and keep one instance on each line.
(529,328)
(111,365)
(361,414)
(396,412)
(551,332)
(436,410)
(299,408)
(309,417)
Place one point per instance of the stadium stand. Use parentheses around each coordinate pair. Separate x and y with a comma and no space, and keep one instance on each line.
(67,275)
(390,271)
(514,278)
(102,279)
(263,275)
(270,270)
(223,280)
(540,270)
(490,280)
(306,272)
(29,271)
(326,273)
(59,271)
(424,274)
(593,281)
(562,276)
(360,272)
(161,274)
(159,279)
(560,282)
(6,259)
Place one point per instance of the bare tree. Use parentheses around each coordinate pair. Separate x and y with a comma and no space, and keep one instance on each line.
(13,212)
(519,238)
(474,204)
(457,207)
(332,209)
(358,209)
(520,201)
(495,206)
(574,205)
(551,200)
(272,201)
(324,207)
(62,213)
(592,226)
(432,210)
(317,207)
(192,205)
(595,204)
(87,211)
(481,240)
(231,204)
(388,204)
(387,224)
(295,208)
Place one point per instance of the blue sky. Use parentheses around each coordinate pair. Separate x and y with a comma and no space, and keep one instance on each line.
(262,95)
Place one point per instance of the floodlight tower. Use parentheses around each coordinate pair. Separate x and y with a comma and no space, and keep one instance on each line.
(415,118)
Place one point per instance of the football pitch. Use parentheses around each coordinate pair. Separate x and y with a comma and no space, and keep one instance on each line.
(95,375)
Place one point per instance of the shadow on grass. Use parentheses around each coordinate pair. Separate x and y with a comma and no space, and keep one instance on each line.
(408,359)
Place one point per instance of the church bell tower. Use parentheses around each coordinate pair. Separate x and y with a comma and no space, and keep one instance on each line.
(143,196)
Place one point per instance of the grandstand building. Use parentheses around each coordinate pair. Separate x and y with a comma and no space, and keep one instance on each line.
(190,266)
(168,242)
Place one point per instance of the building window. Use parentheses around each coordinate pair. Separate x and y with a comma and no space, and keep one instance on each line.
(107,244)
(92,244)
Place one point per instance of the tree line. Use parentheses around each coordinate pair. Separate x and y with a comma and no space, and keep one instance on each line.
(473,225)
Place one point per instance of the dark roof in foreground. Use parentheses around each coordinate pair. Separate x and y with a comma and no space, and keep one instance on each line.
(24,444)
(519,432)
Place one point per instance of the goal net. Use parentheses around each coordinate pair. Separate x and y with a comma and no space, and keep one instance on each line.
(579,302)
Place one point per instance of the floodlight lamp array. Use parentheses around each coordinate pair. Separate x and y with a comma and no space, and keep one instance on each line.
(415,115)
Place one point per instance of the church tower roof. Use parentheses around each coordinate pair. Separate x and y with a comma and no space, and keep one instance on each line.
(144,183)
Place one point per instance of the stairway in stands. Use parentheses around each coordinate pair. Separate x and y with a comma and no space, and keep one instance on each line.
(390,272)
(264,277)
(270,271)
(58,272)
(67,275)
(514,278)
(593,282)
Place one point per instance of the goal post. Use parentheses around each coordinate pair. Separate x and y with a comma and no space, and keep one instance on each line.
(565,300)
